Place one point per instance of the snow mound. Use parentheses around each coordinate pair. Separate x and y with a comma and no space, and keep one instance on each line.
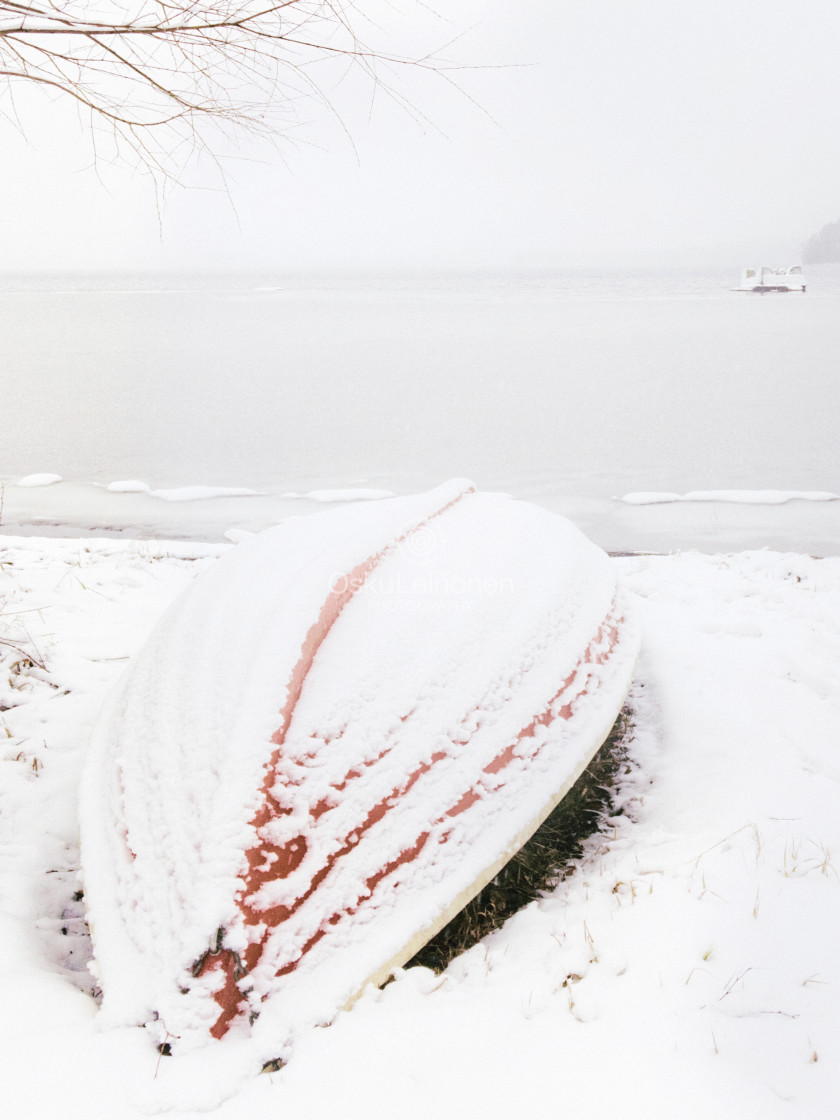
(328,744)
(40,480)
(128,486)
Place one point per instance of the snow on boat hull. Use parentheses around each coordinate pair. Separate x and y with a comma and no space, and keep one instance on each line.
(328,745)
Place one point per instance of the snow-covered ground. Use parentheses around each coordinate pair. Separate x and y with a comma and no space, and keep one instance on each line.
(687,968)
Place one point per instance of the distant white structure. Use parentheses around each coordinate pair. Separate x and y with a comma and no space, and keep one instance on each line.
(772,280)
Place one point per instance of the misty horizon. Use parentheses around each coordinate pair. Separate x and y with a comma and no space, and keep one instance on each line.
(583,137)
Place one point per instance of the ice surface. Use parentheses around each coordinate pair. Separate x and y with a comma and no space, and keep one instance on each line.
(547,385)
(562,389)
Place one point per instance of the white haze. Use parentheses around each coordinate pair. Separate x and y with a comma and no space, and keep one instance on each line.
(609,132)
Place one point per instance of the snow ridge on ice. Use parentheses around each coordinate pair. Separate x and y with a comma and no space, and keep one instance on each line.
(203,493)
(348,495)
(745,497)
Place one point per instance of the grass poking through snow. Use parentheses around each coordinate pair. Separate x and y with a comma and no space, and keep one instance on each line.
(544,860)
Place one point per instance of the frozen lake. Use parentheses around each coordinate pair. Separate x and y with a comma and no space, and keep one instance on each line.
(567,389)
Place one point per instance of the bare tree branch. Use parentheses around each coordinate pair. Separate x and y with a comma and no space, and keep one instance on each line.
(158,73)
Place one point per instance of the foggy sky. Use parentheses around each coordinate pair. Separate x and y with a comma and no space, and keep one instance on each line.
(606,132)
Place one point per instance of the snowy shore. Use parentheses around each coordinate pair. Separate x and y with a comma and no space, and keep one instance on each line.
(687,968)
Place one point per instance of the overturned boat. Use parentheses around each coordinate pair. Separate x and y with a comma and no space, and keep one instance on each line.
(329,744)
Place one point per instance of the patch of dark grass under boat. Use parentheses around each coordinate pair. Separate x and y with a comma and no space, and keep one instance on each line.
(544,860)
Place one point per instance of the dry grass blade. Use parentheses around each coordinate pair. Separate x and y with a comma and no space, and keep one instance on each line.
(25,650)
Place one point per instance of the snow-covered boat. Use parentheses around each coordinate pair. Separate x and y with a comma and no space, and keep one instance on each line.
(772,280)
(328,745)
